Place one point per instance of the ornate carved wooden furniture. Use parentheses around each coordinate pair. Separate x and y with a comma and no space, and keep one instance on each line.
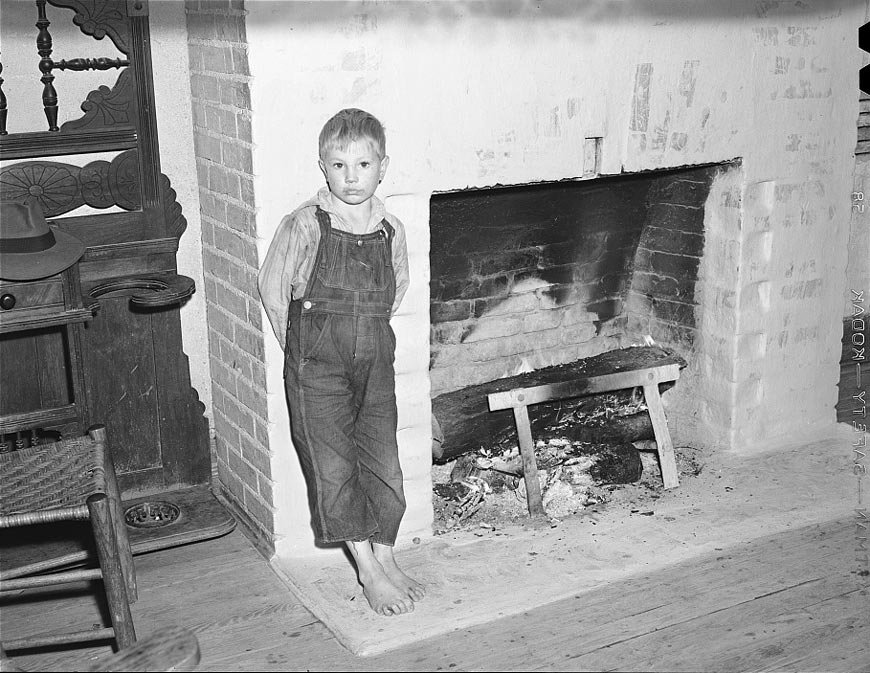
(135,373)
(71,480)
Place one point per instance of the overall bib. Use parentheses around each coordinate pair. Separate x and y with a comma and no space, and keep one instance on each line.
(340,386)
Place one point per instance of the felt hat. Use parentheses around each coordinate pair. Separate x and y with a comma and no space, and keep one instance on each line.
(29,248)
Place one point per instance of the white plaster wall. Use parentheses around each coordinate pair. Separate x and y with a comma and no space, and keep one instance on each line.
(175,128)
(172,92)
(486,93)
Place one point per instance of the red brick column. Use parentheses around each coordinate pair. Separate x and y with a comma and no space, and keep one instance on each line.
(219,83)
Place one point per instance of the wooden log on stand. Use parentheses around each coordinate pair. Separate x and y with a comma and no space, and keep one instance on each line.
(465,423)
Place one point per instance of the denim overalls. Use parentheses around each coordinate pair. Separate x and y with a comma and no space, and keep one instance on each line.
(340,384)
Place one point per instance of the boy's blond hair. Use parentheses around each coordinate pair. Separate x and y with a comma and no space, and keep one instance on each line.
(350,125)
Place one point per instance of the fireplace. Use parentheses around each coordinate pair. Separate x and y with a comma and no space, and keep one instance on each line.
(551,98)
(531,276)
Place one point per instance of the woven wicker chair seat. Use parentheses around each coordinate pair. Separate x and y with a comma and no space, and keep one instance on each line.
(31,477)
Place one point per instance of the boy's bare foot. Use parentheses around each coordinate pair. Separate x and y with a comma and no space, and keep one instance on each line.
(384,597)
(410,587)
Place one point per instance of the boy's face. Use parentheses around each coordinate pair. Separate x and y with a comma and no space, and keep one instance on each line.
(353,173)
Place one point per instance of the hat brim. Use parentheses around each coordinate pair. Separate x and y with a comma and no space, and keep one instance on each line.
(66,251)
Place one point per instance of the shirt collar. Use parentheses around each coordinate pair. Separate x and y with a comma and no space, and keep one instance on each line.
(325,200)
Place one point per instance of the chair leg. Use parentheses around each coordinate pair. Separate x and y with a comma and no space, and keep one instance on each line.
(98,434)
(110,563)
(122,539)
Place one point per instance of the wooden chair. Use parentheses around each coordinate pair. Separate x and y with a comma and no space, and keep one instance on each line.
(70,480)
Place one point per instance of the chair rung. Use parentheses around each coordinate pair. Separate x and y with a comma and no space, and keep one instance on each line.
(76,557)
(50,580)
(77,513)
(60,639)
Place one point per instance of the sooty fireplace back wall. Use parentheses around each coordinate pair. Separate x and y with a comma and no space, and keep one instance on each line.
(529,276)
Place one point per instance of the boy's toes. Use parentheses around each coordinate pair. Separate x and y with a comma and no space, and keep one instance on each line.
(386,599)
(395,608)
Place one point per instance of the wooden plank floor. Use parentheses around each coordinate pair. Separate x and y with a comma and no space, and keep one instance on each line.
(789,602)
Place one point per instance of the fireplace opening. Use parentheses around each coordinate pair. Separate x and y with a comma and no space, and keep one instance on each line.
(533,277)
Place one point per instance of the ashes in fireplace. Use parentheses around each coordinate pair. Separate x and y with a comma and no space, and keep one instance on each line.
(587,416)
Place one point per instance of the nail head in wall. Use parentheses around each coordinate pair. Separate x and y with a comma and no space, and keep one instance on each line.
(137,8)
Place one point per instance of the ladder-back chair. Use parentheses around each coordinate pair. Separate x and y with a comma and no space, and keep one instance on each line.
(70,480)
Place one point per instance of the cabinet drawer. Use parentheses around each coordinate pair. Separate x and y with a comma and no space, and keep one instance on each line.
(37,294)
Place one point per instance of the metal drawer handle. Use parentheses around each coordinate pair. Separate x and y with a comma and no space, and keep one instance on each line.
(7,301)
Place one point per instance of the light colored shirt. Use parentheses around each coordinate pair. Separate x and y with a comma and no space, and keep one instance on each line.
(290,260)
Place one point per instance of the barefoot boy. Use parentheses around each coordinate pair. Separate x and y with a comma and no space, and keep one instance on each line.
(335,272)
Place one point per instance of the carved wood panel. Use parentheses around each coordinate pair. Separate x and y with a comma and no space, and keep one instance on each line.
(61,188)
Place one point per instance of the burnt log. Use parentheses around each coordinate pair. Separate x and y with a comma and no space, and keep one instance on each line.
(468,430)
(617,464)
(615,430)
(613,464)
(466,423)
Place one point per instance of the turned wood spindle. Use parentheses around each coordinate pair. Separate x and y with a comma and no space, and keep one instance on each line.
(81,64)
(43,46)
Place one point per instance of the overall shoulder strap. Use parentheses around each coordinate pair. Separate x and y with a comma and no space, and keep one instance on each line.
(323,220)
(322,254)
(387,227)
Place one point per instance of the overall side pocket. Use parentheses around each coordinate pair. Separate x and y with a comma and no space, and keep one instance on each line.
(314,329)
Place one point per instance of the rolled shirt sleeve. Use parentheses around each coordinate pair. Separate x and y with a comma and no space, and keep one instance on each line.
(286,269)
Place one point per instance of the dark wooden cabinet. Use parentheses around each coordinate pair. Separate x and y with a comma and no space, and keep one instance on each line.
(42,383)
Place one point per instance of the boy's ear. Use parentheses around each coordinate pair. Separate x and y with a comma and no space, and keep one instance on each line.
(322,167)
(385,162)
